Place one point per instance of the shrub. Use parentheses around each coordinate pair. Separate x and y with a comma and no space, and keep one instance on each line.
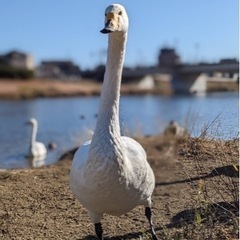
(13,73)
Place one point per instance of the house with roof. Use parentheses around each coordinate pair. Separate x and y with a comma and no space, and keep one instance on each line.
(58,69)
(17,60)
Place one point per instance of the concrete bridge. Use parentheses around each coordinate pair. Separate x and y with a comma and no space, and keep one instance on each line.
(230,68)
(197,78)
(190,78)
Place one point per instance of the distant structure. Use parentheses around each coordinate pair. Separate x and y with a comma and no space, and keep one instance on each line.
(228,61)
(58,69)
(168,58)
(169,76)
(17,60)
(204,77)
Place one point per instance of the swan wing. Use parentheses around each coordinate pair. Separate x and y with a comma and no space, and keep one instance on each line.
(139,172)
(77,176)
(134,150)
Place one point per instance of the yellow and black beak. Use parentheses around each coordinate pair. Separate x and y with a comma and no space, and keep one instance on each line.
(111,23)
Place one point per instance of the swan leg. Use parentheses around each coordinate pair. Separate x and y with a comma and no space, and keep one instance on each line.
(98,230)
(148,214)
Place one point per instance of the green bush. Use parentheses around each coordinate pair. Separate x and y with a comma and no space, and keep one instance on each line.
(8,72)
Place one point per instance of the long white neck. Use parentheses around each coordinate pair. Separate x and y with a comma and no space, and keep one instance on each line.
(34,134)
(108,115)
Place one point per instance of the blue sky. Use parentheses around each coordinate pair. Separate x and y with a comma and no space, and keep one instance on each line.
(200,30)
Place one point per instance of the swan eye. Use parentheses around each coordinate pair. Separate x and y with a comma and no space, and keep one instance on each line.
(105,14)
(120,13)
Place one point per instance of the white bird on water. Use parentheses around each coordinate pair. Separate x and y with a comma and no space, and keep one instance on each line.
(36,149)
(110,174)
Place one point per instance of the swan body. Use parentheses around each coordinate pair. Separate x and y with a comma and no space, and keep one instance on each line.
(36,149)
(113,183)
(110,173)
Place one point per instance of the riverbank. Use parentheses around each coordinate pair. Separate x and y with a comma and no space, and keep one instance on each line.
(20,89)
(196,196)
(27,89)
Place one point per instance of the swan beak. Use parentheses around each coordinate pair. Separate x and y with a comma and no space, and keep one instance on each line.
(107,28)
(110,23)
(28,123)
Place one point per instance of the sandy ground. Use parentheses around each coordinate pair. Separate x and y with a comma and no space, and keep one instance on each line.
(196,181)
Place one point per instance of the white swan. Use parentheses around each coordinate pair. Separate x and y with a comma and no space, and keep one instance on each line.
(174,129)
(36,149)
(110,174)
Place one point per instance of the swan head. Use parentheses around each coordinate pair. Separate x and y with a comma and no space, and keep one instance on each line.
(116,19)
(31,121)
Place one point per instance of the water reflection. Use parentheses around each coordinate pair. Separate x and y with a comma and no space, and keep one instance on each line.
(35,162)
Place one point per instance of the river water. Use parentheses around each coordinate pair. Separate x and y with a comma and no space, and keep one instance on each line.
(68,122)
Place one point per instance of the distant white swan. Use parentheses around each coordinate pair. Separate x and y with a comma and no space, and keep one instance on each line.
(110,174)
(36,149)
(174,129)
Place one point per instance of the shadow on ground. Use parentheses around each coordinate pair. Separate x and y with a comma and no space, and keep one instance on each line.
(128,236)
(222,212)
(228,171)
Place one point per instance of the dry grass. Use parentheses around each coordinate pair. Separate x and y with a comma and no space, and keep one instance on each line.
(17,89)
(213,172)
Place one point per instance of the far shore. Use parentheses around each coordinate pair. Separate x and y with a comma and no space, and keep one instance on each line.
(26,89)
(16,89)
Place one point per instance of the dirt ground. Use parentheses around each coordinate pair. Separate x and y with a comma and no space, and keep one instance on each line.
(196,197)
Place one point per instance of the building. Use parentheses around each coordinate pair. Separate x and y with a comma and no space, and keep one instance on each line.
(58,69)
(17,60)
(168,58)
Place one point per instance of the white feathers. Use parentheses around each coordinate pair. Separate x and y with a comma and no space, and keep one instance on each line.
(36,149)
(110,174)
